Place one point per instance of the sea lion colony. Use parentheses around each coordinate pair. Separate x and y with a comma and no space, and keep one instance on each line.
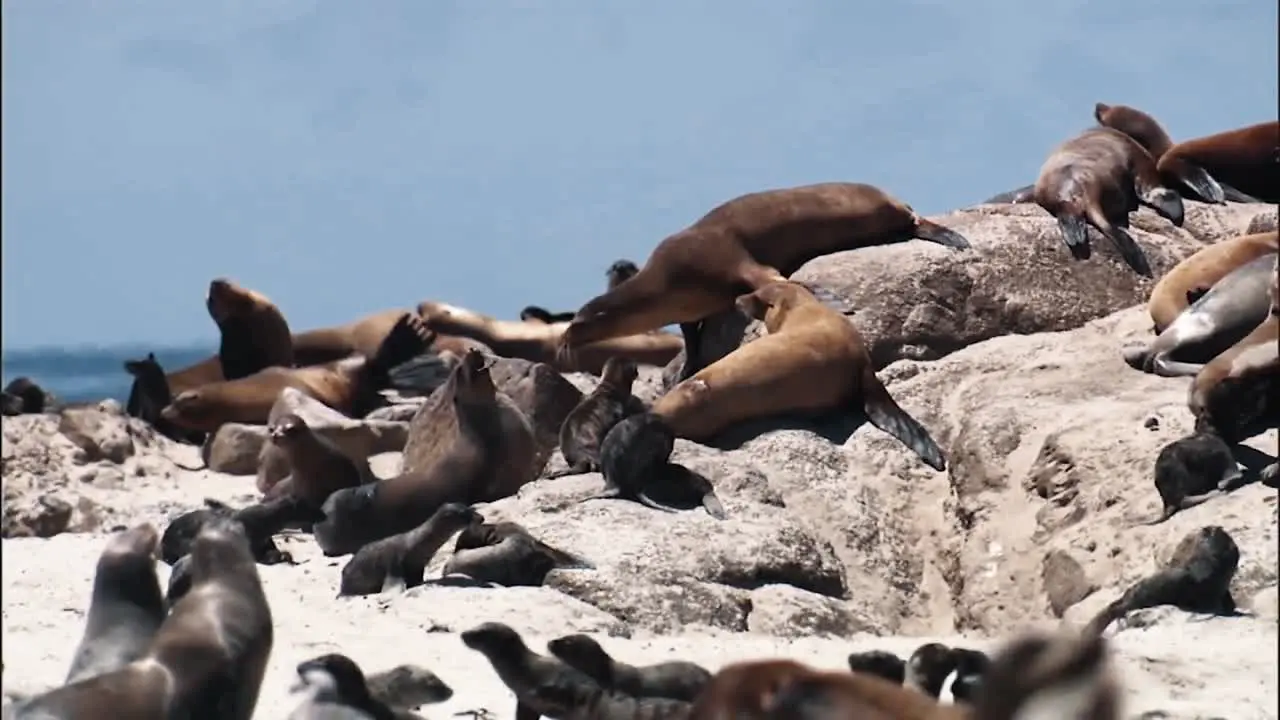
(1213,322)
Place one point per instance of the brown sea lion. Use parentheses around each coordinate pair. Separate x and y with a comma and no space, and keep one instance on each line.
(1221,317)
(1192,470)
(1246,160)
(740,246)
(1097,178)
(812,361)
(482,464)
(507,554)
(349,386)
(261,521)
(149,396)
(538,342)
(586,425)
(1190,279)
(254,333)
(675,679)
(207,659)
(24,397)
(336,685)
(401,560)
(126,608)
(317,466)
(520,669)
(635,462)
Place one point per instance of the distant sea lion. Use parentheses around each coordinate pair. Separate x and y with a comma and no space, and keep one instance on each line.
(336,680)
(620,270)
(1220,318)
(881,663)
(260,522)
(1192,470)
(207,659)
(538,342)
(1190,279)
(317,466)
(740,246)
(677,680)
(1196,579)
(22,396)
(571,698)
(493,440)
(586,425)
(1246,159)
(401,560)
(521,669)
(149,396)
(349,386)
(1097,178)
(634,460)
(506,553)
(126,608)
(254,333)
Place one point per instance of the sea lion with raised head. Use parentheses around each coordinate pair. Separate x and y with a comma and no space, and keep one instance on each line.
(317,466)
(569,697)
(1220,318)
(207,659)
(586,425)
(1190,279)
(539,342)
(483,464)
(148,397)
(520,669)
(126,607)
(740,246)
(1097,178)
(1197,578)
(1246,160)
(620,270)
(337,681)
(408,686)
(506,553)
(1192,470)
(400,561)
(260,521)
(349,386)
(676,679)
(635,462)
(254,333)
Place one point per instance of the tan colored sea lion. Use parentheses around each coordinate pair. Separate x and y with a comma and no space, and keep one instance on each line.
(1097,178)
(538,342)
(1246,159)
(1190,279)
(254,333)
(740,246)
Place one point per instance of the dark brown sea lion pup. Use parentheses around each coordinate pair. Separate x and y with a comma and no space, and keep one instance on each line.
(22,396)
(586,425)
(207,659)
(260,521)
(635,462)
(401,560)
(148,397)
(740,246)
(1193,470)
(1190,279)
(493,440)
(1196,579)
(506,553)
(408,686)
(126,608)
(254,333)
(539,342)
(1223,316)
(1097,178)
(338,682)
(349,386)
(620,270)
(569,697)
(677,680)
(317,466)
(880,663)
(928,668)
(520,669)
(1246,159)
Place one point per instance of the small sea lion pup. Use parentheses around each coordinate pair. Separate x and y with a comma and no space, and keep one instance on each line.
(1190,279)
(22,396)
(620,270)
(586,425)
(400,561)
(507,554)
(254,333)
(335,682)
(318,467)
(881,663)
(677,680)
(740,246)
(1197,578)
(635,462)
(148,397)
(1193,470)
(207,659)
(1246,159)
(1223,316)
(1097,178)
(570,697)
(260,521)
(521,669)
(126,608)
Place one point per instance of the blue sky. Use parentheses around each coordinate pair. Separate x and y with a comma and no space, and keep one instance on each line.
(348,156)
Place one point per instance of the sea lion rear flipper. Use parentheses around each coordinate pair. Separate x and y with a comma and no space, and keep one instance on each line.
(1075,233)
(392,582)
(1201,182)
(1166,513)
(933,232)
(611,492)
(566,560)
(421,375)
(1191,501)
(1233,195)
(1231,479)
(1011,197)
(713,507)
(1137,357)
(885,414)
(1164,367)
(579,468)
(649,502)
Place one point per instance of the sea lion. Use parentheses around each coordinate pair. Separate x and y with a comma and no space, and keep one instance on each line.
(677,680)
(337,680)
(634,460)
(148,397)
(620,270)
(254,333)
(1197,578)
(260,521)
(408,686)
(928,668)
(22,396)
(586,425)
(539,342)
(1224,315)
(1024,194)
(399,561)
(317,466)
(506,553)
(126,608)
(519,668)
(568,697)
(1190,279)
(492,443)
(1097,178)
(1192,470)
(880,663)
(740,246)
(1049,676)
(1245,160)
(207,659)
(970,672)
(349,386)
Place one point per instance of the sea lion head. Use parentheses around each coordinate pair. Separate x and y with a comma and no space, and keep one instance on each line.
(1100,111)
(30,397)
(533,313)
(220,548)
(225,299)
(287,428)
(413,685)
(929,666)
(620,271)
(459,515)
(771,303)
(620,372)
(495,639)
(579,651)
(143,368)
(474,383)
(192,410)
(335,674)
(346,512)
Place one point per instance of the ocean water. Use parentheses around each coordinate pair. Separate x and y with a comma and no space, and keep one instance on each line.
(91,374)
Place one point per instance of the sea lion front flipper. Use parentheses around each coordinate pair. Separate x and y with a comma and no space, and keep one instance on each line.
(565,560)
(649,502)
(1231,479)
(610,492)
(1166,513)
(393,582)
(420,375)
(1137,357)
(827,297)
(692,332)
(884,413)
(1201,183)
(579,468)
(1191,501)
(1075,233)
(1164,367)
(713,507)
(1124,242)
(1233,195)
(935,233)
